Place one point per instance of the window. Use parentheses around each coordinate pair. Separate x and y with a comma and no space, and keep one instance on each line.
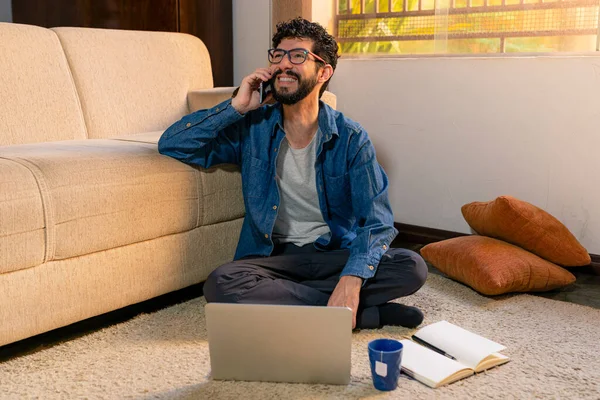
(465,26)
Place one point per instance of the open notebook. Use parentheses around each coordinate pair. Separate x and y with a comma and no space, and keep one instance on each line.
(448,353)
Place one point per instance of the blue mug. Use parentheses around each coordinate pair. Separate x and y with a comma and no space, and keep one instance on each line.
(385,356)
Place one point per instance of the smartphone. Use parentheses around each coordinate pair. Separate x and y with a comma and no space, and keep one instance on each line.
(264,89)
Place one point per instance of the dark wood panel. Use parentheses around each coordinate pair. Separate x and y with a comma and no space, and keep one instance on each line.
(47,14)
(595,263)
(211,21)
(423,235)
(146,15)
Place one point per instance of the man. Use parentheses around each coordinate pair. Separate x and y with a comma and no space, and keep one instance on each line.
(318,222)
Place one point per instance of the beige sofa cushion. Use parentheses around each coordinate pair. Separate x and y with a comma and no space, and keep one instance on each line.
(38,101)
(220,186)
(330,99)
(131,81)
(62,292)
(101,194)
(22,241)
(207,98)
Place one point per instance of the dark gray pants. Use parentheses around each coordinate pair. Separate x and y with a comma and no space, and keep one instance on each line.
(304,276)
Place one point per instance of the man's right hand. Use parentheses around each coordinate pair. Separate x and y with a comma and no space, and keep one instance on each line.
(247,98)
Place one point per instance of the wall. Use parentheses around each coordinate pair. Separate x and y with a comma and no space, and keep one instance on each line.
(5,11)
(252,28)
(453,130)
(449,131)
(251,36)
(323,12)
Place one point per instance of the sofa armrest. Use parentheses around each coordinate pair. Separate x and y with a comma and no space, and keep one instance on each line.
(207,98)
(330,99)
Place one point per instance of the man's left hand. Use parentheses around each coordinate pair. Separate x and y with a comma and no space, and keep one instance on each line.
(347,294)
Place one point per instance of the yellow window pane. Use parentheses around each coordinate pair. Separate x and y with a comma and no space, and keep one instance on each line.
(389,48)
(355,6)
(472,46)
(397,5)
(413,5)
(427,4)
(369,6)
(384,6)
(356,48)
(342,6)
(550,44)
(468,46)
(487,27)
(416,47)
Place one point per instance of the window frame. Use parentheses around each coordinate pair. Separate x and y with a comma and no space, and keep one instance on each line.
(468,9)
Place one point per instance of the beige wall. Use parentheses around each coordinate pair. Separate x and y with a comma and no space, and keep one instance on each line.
(5,11)
(323,12)
(449,131)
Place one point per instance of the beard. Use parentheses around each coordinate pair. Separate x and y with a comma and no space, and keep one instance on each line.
(305,87)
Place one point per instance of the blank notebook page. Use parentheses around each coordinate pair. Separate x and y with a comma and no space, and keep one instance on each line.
(427,363)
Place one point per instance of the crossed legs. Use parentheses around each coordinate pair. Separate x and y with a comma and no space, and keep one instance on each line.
(305,276)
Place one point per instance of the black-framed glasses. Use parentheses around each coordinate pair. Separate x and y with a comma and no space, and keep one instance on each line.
(296,56)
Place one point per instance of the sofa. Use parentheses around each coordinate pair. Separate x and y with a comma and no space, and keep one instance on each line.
(92,217)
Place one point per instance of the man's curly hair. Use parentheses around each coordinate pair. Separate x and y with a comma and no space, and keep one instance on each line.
(325,45)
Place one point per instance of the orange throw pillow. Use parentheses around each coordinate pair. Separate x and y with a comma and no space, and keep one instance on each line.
(494,267)
(527,226)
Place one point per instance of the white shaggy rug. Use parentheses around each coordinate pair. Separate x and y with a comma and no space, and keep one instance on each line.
(553,346)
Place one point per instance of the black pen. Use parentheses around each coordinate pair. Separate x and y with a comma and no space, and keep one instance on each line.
(424,343)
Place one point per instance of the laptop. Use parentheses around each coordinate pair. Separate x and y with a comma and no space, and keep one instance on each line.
(276,343)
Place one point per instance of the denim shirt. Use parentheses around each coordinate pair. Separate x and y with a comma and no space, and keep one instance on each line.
(351,185)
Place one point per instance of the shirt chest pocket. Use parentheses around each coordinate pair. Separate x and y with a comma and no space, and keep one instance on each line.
(256,178)
(337,189)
